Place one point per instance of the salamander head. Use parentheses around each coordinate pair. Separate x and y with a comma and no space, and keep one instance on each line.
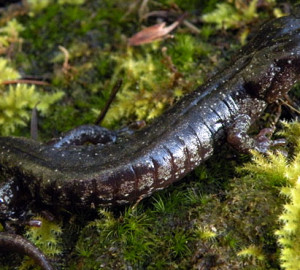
(275,58)
(287,60)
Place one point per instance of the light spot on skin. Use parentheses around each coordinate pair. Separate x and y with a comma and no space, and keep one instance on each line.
(145,181)
(126,186)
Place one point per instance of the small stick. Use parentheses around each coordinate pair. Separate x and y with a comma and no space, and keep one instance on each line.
(24,81)
(34,123)
(67,57)
(290,106)
(113,93)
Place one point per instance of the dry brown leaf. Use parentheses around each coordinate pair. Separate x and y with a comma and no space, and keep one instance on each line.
(154,32)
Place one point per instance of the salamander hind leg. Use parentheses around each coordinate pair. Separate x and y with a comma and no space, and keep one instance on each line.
(237,136)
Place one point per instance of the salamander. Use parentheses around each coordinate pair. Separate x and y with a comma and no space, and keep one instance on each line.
(124,169)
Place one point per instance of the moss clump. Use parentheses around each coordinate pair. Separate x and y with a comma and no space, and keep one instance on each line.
(228,16)
(16,105)
(278,170)
(6,71)
(133,238)
(10,39)
(47,238)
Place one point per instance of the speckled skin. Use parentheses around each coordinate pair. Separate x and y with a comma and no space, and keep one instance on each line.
(151,159)
(176,143)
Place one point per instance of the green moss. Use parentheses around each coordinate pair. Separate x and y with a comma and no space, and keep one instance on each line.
(16,105)
(47,238)
(278,168)
(252,252)
(37,5)
(7,72)
(192,5)
(228,16)
(185,50)
(10,36)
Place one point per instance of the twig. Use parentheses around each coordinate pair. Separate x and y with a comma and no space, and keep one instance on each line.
(192,27)
(66,66)
(113,93)
(166,14)
(289,106)
(34,123)
(24,81)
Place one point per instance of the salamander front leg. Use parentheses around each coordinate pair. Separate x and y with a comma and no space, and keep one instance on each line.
(237,136)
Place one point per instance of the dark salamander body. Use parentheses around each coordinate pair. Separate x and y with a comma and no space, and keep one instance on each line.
(177,142)
(130,168)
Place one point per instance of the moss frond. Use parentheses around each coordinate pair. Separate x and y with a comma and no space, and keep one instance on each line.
(228,16)
(289,234)
(223,16)
(7,72)
(73,2)
(10,34)
(37,5)
(131,231)
(47,238)
(141,96)
(278,168)
(16,105)
(292,133)
(179,243)
(273,168)
(206,233)
(253,252)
